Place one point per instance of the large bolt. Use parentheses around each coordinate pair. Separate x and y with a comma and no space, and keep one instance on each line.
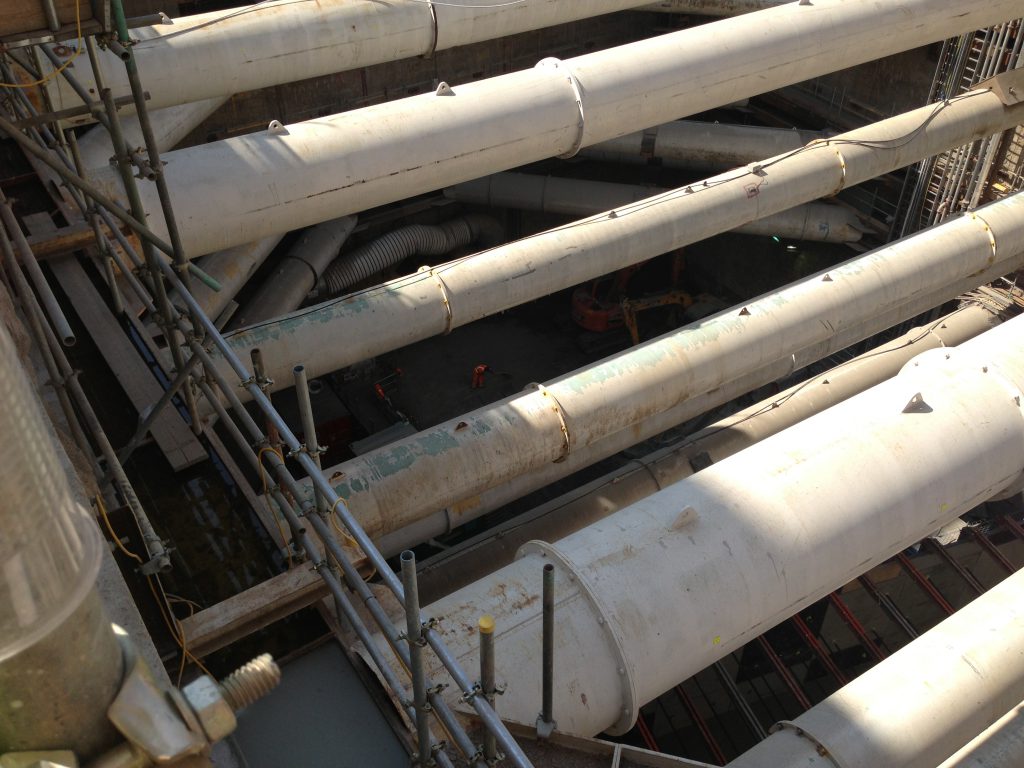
(251,681)
(215,704)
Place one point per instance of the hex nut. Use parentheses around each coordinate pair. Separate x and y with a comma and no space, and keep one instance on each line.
(212,710)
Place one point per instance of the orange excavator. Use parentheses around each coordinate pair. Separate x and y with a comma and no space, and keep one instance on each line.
(604,304)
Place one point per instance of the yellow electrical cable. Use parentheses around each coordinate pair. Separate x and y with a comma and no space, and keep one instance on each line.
(266,497)
(348,537)
(162,605)
(66,64)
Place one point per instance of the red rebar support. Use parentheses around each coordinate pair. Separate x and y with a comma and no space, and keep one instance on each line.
(922,581)
(784,673)
(701,724)
(818,649)
(856,627)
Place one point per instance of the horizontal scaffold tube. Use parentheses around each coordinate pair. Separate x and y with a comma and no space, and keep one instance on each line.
(644,476)
(243,49)
(771,336)
(295,176)
(419,306)
(821,222)
(692,144)
(747,542)
(922,703)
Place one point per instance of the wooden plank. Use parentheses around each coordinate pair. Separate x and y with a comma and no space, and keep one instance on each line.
(62,241)
(20,16)
(174,437)
(220,625)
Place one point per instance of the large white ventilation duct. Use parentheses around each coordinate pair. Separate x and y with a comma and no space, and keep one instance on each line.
(272,43)
(768,338)
(922,703)
(653,594)
(692,144)
(820,222)
(641,477)
(416,307)
(290,177)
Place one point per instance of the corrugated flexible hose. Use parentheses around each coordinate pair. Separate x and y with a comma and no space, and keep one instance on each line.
(386,251)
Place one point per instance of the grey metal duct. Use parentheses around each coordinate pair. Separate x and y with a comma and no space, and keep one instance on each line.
(60,663)
(297,274)
(693,144)
(820,222)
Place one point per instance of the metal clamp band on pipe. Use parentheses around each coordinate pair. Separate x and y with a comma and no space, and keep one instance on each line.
(552,63)
(445,300)
(433,31)
(563,426)
(627,684)
(988,231)
(821,749)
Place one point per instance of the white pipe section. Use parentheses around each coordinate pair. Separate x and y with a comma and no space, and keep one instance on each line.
(774,335)
(295,176)
(232,268)
(641,477)
(688,144)
(298,272)
(256,46)
(712,7)
(418,306)
(170,126)
(747,542)
(820,222)
(923,702)
(1001,745)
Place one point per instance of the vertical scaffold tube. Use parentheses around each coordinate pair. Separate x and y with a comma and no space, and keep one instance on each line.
(749,541)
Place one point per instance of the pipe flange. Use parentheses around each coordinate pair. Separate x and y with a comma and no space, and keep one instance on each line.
(820,748)
(630,701)
(553,63)
(562,425)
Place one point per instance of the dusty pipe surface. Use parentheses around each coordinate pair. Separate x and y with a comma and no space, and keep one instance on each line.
(642,477)
(298,272)
(224,52)
(747,542)
(924,701)
(775,334)
(301,174)
(418,306)
(689,144)
(820,222)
